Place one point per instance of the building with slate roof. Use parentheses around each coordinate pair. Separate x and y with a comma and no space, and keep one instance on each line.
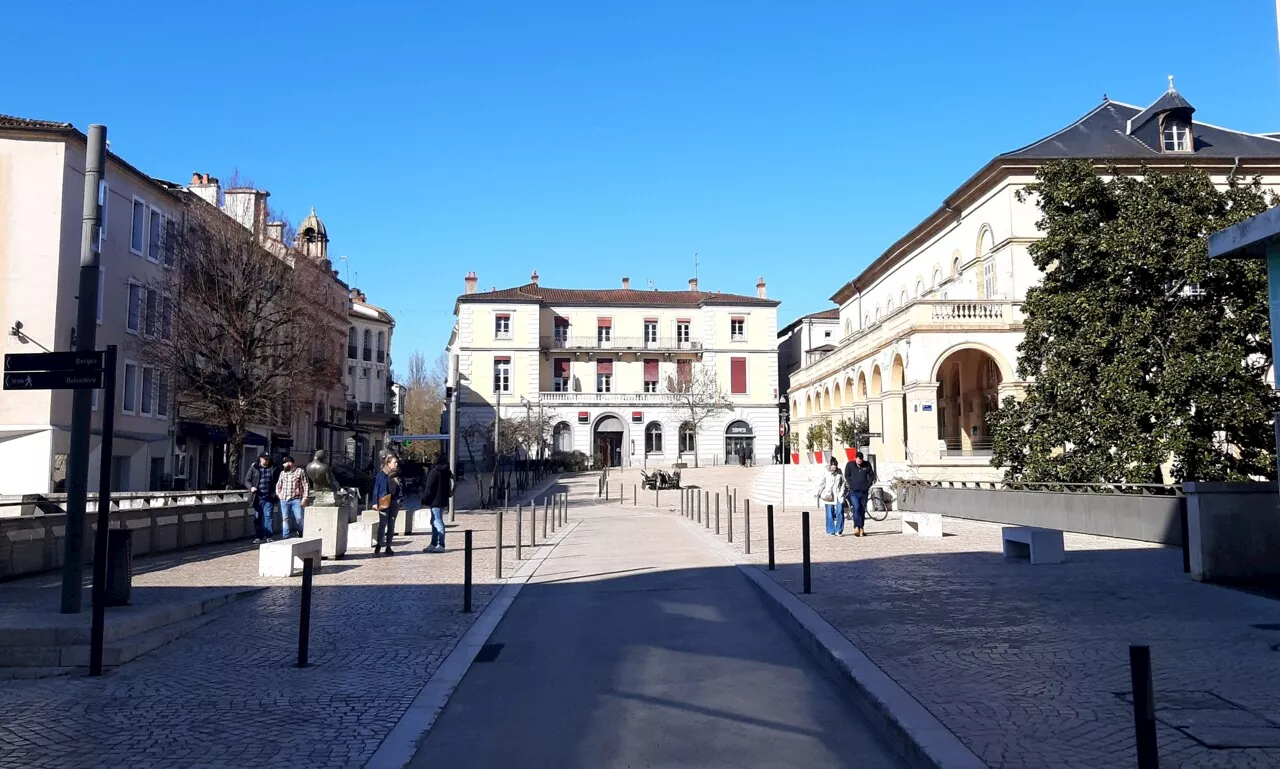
(601,362)
(928,332)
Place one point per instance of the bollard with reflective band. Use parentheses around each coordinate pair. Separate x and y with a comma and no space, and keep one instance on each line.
(746,525)
(519,532)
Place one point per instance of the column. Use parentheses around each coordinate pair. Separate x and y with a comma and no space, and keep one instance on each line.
(894,428)
(922,420)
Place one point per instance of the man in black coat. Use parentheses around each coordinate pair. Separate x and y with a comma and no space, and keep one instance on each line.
(261,480)
(439,488)
(859,477)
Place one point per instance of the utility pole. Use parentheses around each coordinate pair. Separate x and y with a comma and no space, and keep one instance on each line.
(82,400)
(453,429)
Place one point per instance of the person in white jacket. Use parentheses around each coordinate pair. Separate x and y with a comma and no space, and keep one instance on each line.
(831,492)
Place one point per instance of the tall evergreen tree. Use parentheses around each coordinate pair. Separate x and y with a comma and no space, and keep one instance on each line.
(1141,350)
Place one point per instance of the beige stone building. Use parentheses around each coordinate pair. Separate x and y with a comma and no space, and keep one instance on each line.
(599,362)
(928,335)
(371,409)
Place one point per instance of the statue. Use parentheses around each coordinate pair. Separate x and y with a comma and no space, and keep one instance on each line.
(324,487)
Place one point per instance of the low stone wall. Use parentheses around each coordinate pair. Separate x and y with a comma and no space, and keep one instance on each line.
(1145,517)
(1234,531)
(33,542)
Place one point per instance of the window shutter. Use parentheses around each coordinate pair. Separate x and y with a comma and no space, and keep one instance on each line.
(738,376)
(559,321)
(502,359)
(562,367)
(684,370)
(604,366)
(651,370)
(605,322)
(650,320)
(683,320)
(170,240)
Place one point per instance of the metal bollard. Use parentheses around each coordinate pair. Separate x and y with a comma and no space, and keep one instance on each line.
(804,546)
(707,519)
(746,525)
(731,521)
(545,510)
(497,561)
(769,515)
(635,496)
(699,498)
(684,497)
(466,572)
(304,617)
(657,502)
(1144,706)
(717,513)
(606,491)
(519,532)
(533,524)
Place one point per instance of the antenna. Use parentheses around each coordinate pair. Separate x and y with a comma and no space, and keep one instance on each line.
(651,286)
(346,262)
(695,265)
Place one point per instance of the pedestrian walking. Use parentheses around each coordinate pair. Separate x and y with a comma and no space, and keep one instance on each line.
(292,489)
(859,477)
(388,493)
(831,493)
(261,483)
(439,488)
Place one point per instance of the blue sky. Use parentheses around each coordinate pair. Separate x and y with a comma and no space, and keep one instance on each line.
(595,139)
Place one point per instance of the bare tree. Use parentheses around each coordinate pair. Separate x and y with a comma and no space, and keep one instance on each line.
(424,401)
(240,333)
(697,396)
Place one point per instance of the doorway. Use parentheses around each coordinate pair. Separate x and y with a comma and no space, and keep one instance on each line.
(609,436)
(739,444)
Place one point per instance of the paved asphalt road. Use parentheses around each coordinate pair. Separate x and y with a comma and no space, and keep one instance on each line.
(636,646)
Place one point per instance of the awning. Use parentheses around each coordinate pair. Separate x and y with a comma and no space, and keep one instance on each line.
(212,434)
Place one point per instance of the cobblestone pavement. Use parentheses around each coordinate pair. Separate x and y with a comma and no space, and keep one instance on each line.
(1028,665)
(227,694)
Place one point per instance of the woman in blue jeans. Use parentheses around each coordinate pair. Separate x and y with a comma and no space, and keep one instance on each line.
(831,493)
(387,484)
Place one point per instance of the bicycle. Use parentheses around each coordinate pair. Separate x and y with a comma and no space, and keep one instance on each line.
(878,504)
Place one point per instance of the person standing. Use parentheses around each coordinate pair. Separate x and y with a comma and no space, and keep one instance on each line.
(261,482)
(439,488)
(831,493)
(387,495)
(292,489)
(859,477)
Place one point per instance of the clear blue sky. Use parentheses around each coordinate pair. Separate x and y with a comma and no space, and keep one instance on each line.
(593,139)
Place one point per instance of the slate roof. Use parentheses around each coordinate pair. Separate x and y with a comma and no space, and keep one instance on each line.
(615,297)
(10,121)
(1104,133)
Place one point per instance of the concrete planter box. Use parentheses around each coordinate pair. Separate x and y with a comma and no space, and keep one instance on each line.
(1234,531)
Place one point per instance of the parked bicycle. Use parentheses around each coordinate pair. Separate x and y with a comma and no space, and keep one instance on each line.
(878,504)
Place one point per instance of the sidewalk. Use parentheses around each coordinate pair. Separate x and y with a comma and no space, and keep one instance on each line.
(635,644)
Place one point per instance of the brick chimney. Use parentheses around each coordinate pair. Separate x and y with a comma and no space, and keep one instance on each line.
(534,278)
(693,284)
(359,296)
(206,187)
(471,281)
(626,283)
(760,288)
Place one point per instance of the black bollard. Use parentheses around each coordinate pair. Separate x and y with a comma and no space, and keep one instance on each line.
(1144,706)
(769,516)
(635,496)
(684,497)
(497,561)
(746,525)
(519,532)
(545,510)
(698,497)
(466,571)
(606,491)
(804,546)
(707,520)
(304,617)
(717,513)
(731,521)
(657,502)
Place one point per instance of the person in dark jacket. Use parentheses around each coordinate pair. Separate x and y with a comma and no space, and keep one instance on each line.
(859,477)
(439,488)
(261,482)
(387,484)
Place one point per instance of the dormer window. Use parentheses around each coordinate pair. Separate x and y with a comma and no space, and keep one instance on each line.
(1176,135)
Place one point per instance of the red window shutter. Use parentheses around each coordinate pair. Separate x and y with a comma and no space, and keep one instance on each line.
(684,370)
(605,322)
(559,321)
(742,318)
(502,359)
(650,320)
(604,366)
(504,315)
(738,376)
(562,367)
(683,320)
(651,371)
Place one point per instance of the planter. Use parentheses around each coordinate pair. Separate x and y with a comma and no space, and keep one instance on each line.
(795,457)
(852,454)
(817,457)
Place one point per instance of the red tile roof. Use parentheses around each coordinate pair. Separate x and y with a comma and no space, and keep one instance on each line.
(9,121)
(614,297)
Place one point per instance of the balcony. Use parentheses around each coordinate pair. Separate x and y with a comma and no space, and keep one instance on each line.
(955,447)
(604,399)
(621,343)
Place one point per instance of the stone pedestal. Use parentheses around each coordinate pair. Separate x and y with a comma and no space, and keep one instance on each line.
(361,534)
(284,558)
(329,524)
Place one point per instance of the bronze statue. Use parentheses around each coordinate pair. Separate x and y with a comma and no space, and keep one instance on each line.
(323,485)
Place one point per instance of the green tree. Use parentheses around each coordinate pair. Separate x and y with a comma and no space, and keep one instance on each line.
(1141,349)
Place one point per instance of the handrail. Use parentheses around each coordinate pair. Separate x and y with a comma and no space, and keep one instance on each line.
(1149,489)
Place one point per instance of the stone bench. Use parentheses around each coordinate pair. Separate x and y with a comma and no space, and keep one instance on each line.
(362,534)
(1038,545)
(284,558)
(924,524)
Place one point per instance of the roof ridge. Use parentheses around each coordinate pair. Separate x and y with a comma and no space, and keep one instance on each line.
(27,122)
(1105,103)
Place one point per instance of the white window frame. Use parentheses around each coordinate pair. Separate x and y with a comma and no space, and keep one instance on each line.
(1177,134)
(989,278)
(155,233)
(682,333)
(562,384)
(604,334)
(124,388)
(134,225)
(502,377)
(651,432)
(604,383)
(146,403)
(741,334)
(499,321)
(142,309)
(650,333)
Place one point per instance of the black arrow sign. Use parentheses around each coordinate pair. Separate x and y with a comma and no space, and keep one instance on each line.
(54,380)
(80,362)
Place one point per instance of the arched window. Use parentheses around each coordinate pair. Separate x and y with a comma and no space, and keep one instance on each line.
(888,306)
(382,347)
(937,277)
(562,438)
(653,438)
(351,343)
(879,312)
(955,267)
(688,442)
(903,297)
(368,344)
(848,328)
(866,321)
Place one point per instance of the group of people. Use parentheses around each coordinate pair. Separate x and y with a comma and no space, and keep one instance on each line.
(287,489)
(849,488)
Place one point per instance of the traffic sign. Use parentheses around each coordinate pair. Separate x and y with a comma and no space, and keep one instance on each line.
(54,380)
(80,362)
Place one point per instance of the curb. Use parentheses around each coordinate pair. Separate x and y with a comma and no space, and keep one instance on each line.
(401,744)
(908,726)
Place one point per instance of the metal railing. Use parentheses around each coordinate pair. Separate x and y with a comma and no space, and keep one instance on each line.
(605,399)
(955,447)
(617,343)
(1149,489)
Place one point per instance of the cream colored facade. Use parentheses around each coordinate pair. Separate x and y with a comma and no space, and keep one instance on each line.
(513,345)
(929,331)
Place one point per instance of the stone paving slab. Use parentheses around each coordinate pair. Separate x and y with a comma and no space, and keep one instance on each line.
(1028,665)
(227,695)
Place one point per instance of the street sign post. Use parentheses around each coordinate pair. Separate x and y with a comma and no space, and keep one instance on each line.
(53,380)
(80,362)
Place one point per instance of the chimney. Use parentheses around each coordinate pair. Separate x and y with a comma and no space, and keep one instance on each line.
(626,283)
(693,284)
(760,288)
(247,206)
(275,231)
(205,187)
(534,278)
(471,281)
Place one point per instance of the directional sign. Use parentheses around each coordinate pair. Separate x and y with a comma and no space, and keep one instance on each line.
(80,362)
(872,435)
(54,380)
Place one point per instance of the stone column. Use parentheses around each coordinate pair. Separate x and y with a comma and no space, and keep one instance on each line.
(894,428)
(922,419)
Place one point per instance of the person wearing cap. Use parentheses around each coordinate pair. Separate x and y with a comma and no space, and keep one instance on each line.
(859,477)
(261,482)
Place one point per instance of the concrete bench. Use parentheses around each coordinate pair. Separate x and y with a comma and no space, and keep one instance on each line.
(1038,545)
(924,524)
(284,558)
(361,534)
